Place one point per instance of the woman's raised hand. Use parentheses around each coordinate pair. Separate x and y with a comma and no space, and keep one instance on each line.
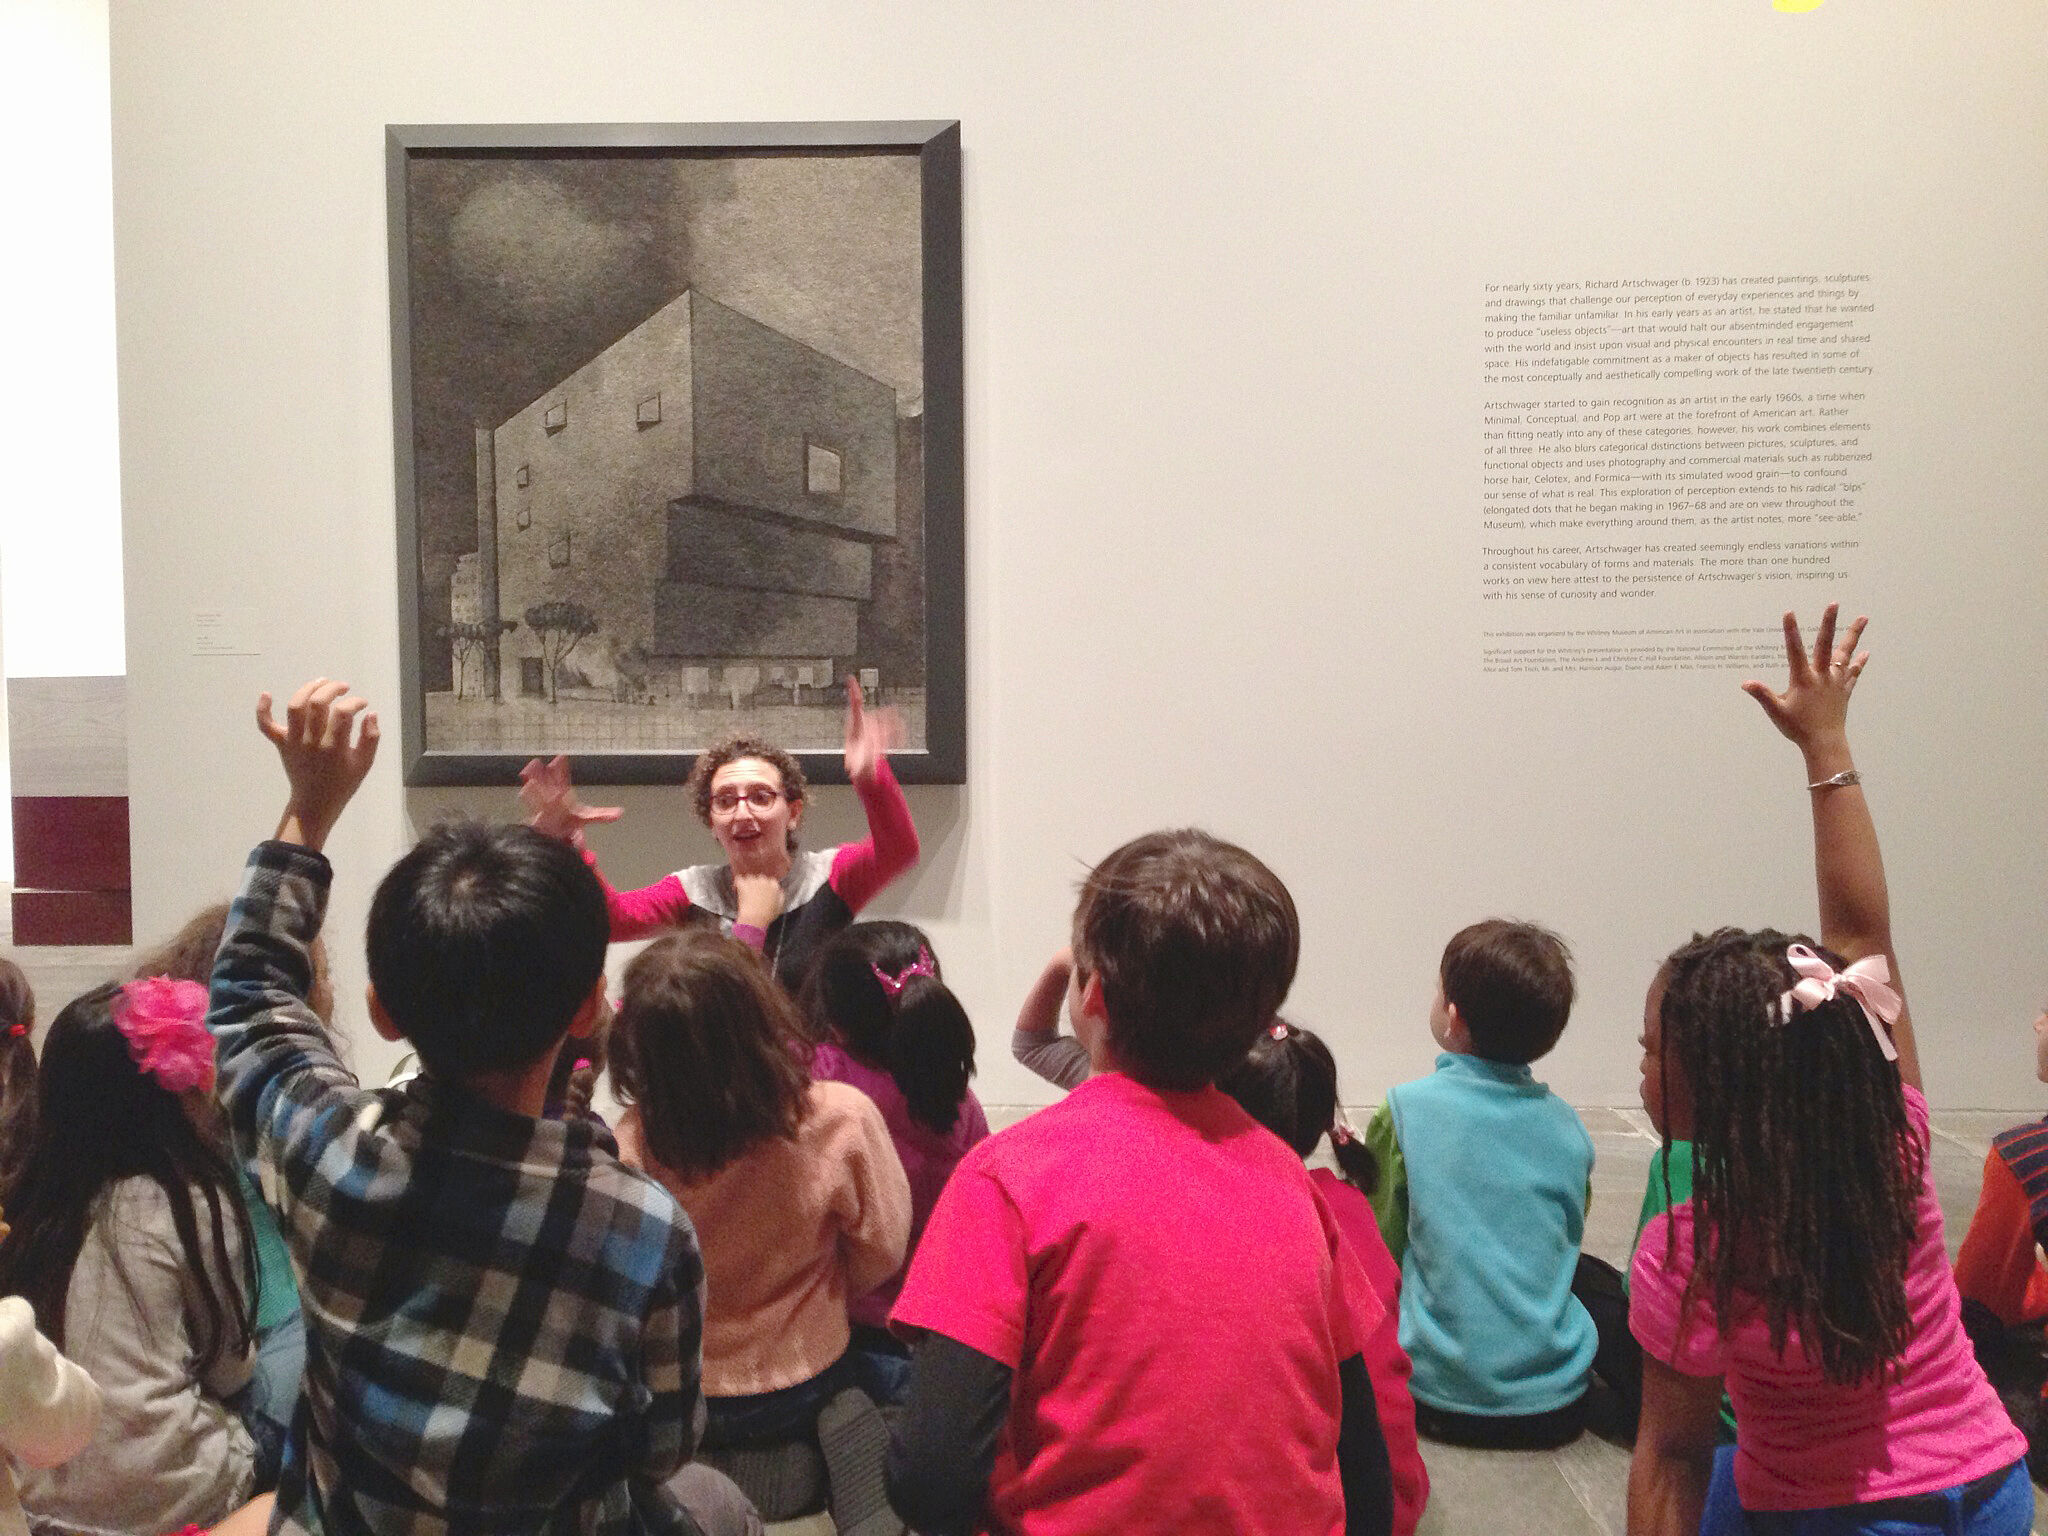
(868,736)
(549,797)
(1815,704)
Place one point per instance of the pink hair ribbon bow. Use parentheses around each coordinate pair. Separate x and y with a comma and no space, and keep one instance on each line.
(892,986)
(1867,980)
(161,1018)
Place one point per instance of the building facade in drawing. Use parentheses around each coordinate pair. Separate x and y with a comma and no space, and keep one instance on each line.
(691,516)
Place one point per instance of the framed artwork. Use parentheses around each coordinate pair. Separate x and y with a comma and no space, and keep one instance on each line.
(679,443)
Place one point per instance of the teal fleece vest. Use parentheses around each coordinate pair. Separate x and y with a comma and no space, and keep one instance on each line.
(1497,1170)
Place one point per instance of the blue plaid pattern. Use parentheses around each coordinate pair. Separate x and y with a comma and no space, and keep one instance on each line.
(503,1322)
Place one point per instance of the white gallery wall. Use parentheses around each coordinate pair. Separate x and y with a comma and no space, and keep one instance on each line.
(60,502)
(1226,277)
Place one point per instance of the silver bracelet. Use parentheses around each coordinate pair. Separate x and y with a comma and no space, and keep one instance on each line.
(1841,780)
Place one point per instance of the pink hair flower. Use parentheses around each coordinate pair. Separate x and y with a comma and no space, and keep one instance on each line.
(163,1021)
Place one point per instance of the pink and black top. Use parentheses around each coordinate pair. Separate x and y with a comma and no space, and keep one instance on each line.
(822,893)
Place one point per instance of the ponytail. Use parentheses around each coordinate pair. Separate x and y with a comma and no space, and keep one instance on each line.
(1355,1160)
(17,1074)
(931,1052)
(1287,1082)
(877,990)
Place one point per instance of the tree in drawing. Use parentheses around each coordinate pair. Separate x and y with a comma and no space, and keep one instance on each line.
(561,626)
(475,642)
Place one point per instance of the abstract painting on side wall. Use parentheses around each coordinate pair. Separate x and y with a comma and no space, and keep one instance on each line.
(678,441)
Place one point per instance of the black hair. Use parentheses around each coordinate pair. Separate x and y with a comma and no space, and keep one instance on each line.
(921,1037)
(1288,1083)
(484,942)
(1806,1172)
(102,1119)
(709,1049)
(1195,942)
(1511,984)
(17,1073)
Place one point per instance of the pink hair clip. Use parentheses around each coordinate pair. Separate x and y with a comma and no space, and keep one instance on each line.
(17,1029)
(1868,981)
(161,1018)
(1278,1030)
(892,986)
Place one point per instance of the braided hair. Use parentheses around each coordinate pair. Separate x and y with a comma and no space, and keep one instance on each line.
(1806,1170)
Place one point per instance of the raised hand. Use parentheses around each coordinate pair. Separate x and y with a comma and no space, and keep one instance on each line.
(550,799)
(868,736)
(1814,708)
(325,757)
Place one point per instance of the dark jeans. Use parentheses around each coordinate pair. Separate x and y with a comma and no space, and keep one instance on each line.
(791,1413)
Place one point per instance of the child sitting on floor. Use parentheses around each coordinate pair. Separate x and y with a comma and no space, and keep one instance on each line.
(131,1244)
(1807,1269)
(1484,1181)
(17,1072)
(892,1028)
(502,1318)
(2000,1274)
(273,1393)
(49,1407)
(796,1194)
(1288,1083)
(1133,1311)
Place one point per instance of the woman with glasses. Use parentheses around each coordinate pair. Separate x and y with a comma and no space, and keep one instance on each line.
(768,894)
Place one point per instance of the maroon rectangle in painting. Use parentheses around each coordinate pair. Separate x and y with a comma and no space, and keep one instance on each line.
(71,842)
(73,917)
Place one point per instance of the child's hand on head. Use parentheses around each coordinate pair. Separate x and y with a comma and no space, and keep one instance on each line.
(1815,704)
(758,898)
(550,799)
(325,756)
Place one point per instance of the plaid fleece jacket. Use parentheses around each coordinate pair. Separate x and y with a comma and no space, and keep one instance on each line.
(503,1322)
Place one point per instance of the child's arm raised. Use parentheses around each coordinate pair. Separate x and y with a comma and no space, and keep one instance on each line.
(325,760)
(277,1067)
(1813,714)
(1036,1041)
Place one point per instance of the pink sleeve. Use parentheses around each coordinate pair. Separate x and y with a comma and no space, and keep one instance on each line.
(861,869)
(1691,1344)
(1356,1309)
(643,913)
(967,1279)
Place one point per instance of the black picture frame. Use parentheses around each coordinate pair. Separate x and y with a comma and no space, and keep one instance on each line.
(523,157)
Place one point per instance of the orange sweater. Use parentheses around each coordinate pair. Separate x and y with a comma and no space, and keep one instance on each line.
(790,1229)
(1999,1263)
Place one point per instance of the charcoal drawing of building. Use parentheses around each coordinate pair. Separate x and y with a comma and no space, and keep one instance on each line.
(710,491)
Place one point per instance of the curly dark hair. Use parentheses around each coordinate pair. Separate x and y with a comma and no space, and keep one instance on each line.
(731,750)
(1806,1171)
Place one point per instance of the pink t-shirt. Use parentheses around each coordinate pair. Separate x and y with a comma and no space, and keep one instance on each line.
(928,1158)
(1174,1298)
(1802,1441)
(1380,1342)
